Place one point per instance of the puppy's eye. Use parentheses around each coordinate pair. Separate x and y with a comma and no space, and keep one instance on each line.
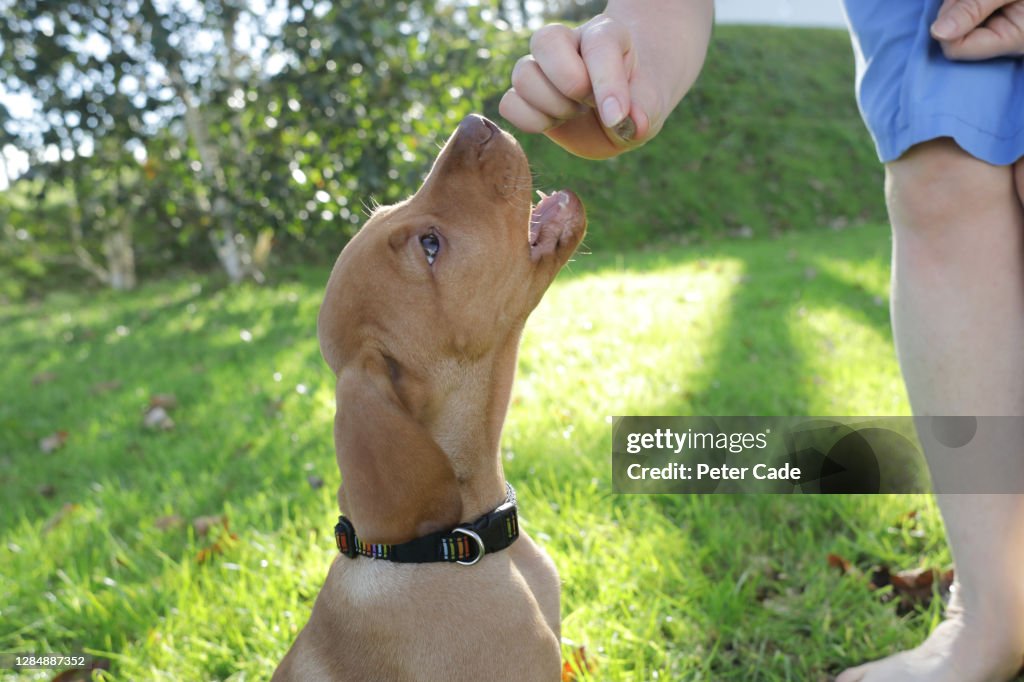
(431,245)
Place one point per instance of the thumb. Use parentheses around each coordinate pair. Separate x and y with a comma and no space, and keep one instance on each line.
(957,18)
(606,49)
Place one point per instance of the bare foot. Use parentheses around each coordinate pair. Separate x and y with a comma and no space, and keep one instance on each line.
(958,650)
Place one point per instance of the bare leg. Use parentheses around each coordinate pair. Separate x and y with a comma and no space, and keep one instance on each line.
(958,319)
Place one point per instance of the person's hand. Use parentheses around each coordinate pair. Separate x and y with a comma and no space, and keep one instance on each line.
(972,30)
(583,88)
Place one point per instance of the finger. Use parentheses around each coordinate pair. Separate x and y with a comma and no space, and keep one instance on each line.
(956,19)
(534,88)
(945,4)
(519,113)
(605,46)
(555,48)
(1000,37)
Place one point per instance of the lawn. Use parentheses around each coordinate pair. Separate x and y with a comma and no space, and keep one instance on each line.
(103,550)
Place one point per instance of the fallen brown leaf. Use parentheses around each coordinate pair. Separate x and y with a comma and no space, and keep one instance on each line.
(913,579)
(836,561)
(82,674)
(164,400)
(207,553)
(54,441)
(105,387)
(167,522)
(912,589)
(578,663)
(203,524)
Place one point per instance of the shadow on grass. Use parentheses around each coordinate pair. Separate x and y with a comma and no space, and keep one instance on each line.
(756,361)
(758,364)
(778,284)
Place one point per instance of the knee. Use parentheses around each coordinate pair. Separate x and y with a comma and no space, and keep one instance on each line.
(939,191)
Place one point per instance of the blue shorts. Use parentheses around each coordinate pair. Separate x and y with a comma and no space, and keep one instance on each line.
(908,92)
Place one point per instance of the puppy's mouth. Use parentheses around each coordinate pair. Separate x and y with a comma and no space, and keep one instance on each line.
(555,222)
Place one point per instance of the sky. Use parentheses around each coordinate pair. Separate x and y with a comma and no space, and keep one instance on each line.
(780,12)
(786,12)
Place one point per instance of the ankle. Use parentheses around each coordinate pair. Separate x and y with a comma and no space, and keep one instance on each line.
(996,636)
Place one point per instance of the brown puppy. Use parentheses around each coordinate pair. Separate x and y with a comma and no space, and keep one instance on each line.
(421,324)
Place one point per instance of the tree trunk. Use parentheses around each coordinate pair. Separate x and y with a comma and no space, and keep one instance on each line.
(503,12)
(118,250)
(230,246)
(117,247)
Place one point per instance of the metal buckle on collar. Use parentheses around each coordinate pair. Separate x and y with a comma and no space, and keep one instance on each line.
(479,545)
(487,526)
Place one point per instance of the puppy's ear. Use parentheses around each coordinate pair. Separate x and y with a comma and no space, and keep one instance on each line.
(397,483)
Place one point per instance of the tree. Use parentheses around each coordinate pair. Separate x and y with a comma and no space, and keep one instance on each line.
(71,57)
(167,126)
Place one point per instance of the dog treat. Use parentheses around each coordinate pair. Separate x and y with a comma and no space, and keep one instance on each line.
(626,129)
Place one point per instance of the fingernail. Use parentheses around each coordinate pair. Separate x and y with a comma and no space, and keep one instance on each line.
(611,111)
(944,28)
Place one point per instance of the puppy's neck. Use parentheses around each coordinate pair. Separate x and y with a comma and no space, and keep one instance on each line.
(405,474)
(468,428)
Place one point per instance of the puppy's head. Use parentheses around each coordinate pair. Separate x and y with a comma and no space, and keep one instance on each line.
(450,271)
(437,285)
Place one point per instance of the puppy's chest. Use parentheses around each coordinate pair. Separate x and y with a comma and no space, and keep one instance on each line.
(365,585)
(389,580)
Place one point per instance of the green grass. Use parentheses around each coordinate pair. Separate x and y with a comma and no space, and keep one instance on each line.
(768,141)
(655,587)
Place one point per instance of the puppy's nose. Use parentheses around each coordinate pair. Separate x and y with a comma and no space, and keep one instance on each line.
(476,129)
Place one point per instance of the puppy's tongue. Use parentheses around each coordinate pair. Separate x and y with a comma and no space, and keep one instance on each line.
(546,210)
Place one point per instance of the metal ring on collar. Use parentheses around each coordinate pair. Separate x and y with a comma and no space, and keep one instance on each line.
(479,543)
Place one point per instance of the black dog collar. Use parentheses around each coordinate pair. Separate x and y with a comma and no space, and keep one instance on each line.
(465,544)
